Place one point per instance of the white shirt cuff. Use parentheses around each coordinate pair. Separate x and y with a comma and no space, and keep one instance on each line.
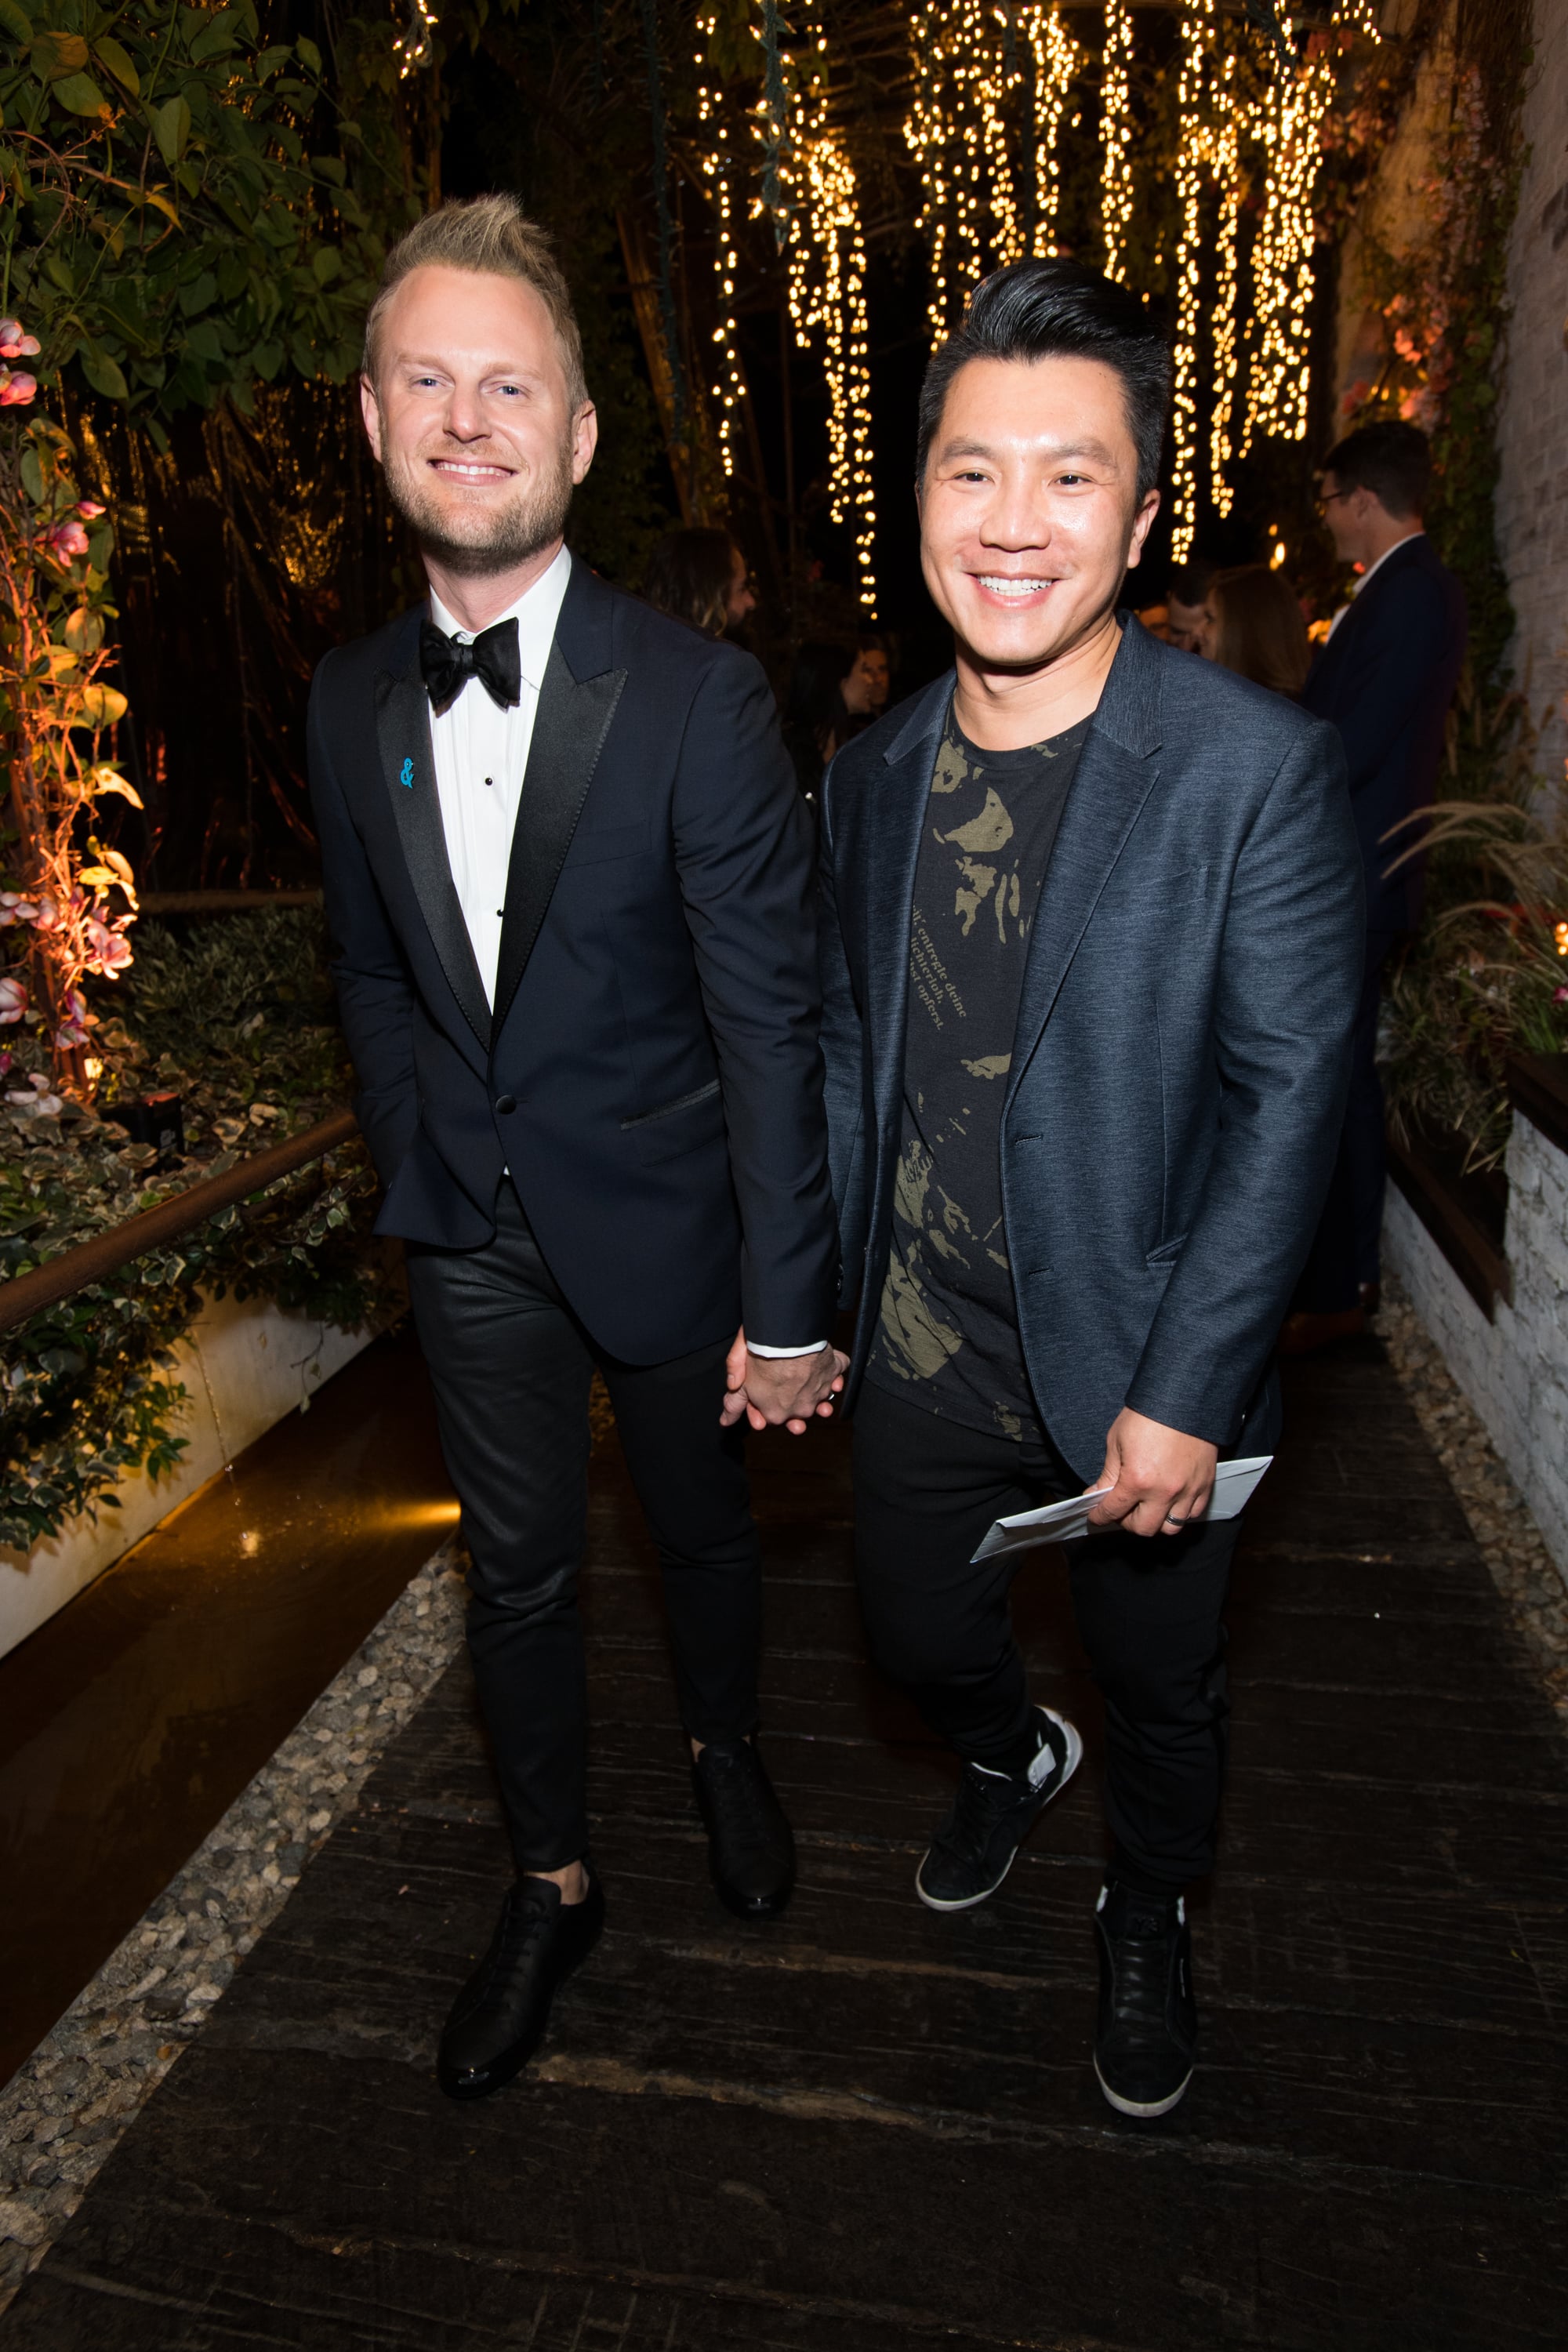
(815,1349)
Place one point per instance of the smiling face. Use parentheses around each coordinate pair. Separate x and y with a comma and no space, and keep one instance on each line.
(470,417)
(1030,510)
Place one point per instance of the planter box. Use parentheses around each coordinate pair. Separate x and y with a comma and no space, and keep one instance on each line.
(244,1366)
(1501,1321)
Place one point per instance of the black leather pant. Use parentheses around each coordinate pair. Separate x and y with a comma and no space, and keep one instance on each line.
(1148,1611)
(511,1368)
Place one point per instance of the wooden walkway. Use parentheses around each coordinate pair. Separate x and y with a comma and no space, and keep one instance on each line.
(867,2128)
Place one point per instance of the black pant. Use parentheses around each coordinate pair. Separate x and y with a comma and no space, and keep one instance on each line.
(1148,1610)
(511,1368)
(1347,1246)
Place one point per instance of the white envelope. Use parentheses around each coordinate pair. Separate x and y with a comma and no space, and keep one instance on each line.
(1234,1487)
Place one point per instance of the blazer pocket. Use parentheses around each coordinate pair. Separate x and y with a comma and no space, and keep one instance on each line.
(612,841)
(691,1120)
(1160,1260)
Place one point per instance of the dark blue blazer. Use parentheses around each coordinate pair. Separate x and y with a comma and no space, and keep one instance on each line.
(1180,1063)
(650,1073)
(1386,679)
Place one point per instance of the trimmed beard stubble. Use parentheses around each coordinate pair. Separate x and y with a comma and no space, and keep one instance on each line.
(532,524)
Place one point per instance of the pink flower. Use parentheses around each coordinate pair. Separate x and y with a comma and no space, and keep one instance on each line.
(68,539)
(17,391)
(1560,996)
(15,909)
(6,1062)
(14,344)
(108,950)
(13,1002)
(47,916)
(89,510)
(71,1033)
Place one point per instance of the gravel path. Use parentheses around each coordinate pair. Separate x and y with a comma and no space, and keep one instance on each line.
(62,2112)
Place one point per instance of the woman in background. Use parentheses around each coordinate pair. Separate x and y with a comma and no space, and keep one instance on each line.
(700,577)
(837,688)
(1252,625)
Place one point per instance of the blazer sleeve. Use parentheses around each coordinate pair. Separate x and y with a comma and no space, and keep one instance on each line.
(1398,662)
(844,1060)
(374,989)
(742,850)
(1289,980)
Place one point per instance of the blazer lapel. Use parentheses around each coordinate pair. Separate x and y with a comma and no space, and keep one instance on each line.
(1117,772)
(577,700)
(409,770)
(897,822)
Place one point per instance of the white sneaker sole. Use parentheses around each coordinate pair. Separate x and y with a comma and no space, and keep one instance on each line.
(968,1901)
(1144,2107)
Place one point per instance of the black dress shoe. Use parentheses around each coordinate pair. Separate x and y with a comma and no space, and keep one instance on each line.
(498,2021)
(750,1845)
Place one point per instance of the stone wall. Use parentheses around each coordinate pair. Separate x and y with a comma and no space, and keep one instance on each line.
(1513,1369)
(1532,493)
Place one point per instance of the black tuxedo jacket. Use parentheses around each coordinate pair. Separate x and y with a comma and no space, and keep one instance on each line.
(650,1073)
(1386,679)
(1181,1058)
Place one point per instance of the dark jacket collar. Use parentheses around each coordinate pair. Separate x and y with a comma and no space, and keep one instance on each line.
(1129,709)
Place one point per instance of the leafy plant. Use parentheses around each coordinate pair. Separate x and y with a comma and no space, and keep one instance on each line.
(237,1019)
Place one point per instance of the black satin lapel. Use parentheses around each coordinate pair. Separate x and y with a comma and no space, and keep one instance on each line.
(902,796)
(569,731)
(1103,804)
(408,767)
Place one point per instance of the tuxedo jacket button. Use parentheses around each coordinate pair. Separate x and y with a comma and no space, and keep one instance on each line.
(505,1103)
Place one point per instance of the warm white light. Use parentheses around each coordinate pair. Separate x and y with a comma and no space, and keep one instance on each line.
(1115,136)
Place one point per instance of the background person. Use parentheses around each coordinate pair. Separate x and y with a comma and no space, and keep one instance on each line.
(568,885)
(701,577)
(1185,598)
(838,688)
(1252,625)
(1385,680)
(1091,941)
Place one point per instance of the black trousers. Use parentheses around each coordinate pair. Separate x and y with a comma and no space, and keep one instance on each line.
(511,1368)
(1347,1246)
(1148,1610)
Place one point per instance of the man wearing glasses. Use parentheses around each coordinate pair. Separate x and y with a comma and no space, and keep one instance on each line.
(1384,679)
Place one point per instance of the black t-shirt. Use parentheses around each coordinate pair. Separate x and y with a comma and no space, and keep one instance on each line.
(947,1336)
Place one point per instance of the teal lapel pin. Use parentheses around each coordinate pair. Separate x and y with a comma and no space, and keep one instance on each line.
(406,774)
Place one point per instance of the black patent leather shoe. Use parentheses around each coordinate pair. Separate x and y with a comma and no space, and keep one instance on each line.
(751,1846)
(498,2021)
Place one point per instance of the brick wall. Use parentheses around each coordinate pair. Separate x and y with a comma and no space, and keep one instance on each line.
(1532,495)
(1514,1371)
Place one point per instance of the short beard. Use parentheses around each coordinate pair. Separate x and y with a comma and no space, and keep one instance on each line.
(501,542)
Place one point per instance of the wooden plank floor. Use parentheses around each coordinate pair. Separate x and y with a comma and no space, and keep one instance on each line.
(864,2127)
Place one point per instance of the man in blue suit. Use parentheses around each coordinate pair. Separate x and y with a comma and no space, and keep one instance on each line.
(1385,680)
(1092,944)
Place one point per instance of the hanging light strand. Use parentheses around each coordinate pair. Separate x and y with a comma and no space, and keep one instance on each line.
(1115,137)
(1058,57)
(825,254)
(1224,156)
(1196,35)
(719,165)
(1289,122)
(964,58)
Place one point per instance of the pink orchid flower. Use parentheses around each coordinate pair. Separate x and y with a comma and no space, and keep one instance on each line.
(13,1000)
(48,915)
(67,541)
(14,344)
(89,510)
(15,909)
(17,391)
(110,951)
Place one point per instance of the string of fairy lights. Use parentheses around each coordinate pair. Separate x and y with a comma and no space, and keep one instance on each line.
(997,87)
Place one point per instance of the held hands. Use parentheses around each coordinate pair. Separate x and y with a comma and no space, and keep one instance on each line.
(1159,1477)
(771,1391)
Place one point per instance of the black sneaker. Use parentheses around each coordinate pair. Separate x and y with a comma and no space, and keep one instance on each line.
(751,1847)
(992,1815)
(1147,2037)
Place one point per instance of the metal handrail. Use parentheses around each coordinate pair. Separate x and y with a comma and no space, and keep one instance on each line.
(28,1294)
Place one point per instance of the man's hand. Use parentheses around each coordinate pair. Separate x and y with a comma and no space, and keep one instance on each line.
(1159,1477)
(781,1391)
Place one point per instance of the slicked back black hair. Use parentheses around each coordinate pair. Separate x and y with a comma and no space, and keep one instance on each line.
(1059,309)
(1394,461)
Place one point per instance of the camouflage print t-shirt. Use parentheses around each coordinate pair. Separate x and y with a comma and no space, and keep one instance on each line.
(947,1337)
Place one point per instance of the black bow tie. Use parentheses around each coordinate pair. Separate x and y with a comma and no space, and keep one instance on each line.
(448,664)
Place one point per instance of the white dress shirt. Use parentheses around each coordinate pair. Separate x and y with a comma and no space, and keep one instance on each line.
(1357,586)
(481,755)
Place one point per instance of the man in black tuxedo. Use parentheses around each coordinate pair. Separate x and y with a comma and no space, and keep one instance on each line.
(1091,962)
(1384,679)
(568,881)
